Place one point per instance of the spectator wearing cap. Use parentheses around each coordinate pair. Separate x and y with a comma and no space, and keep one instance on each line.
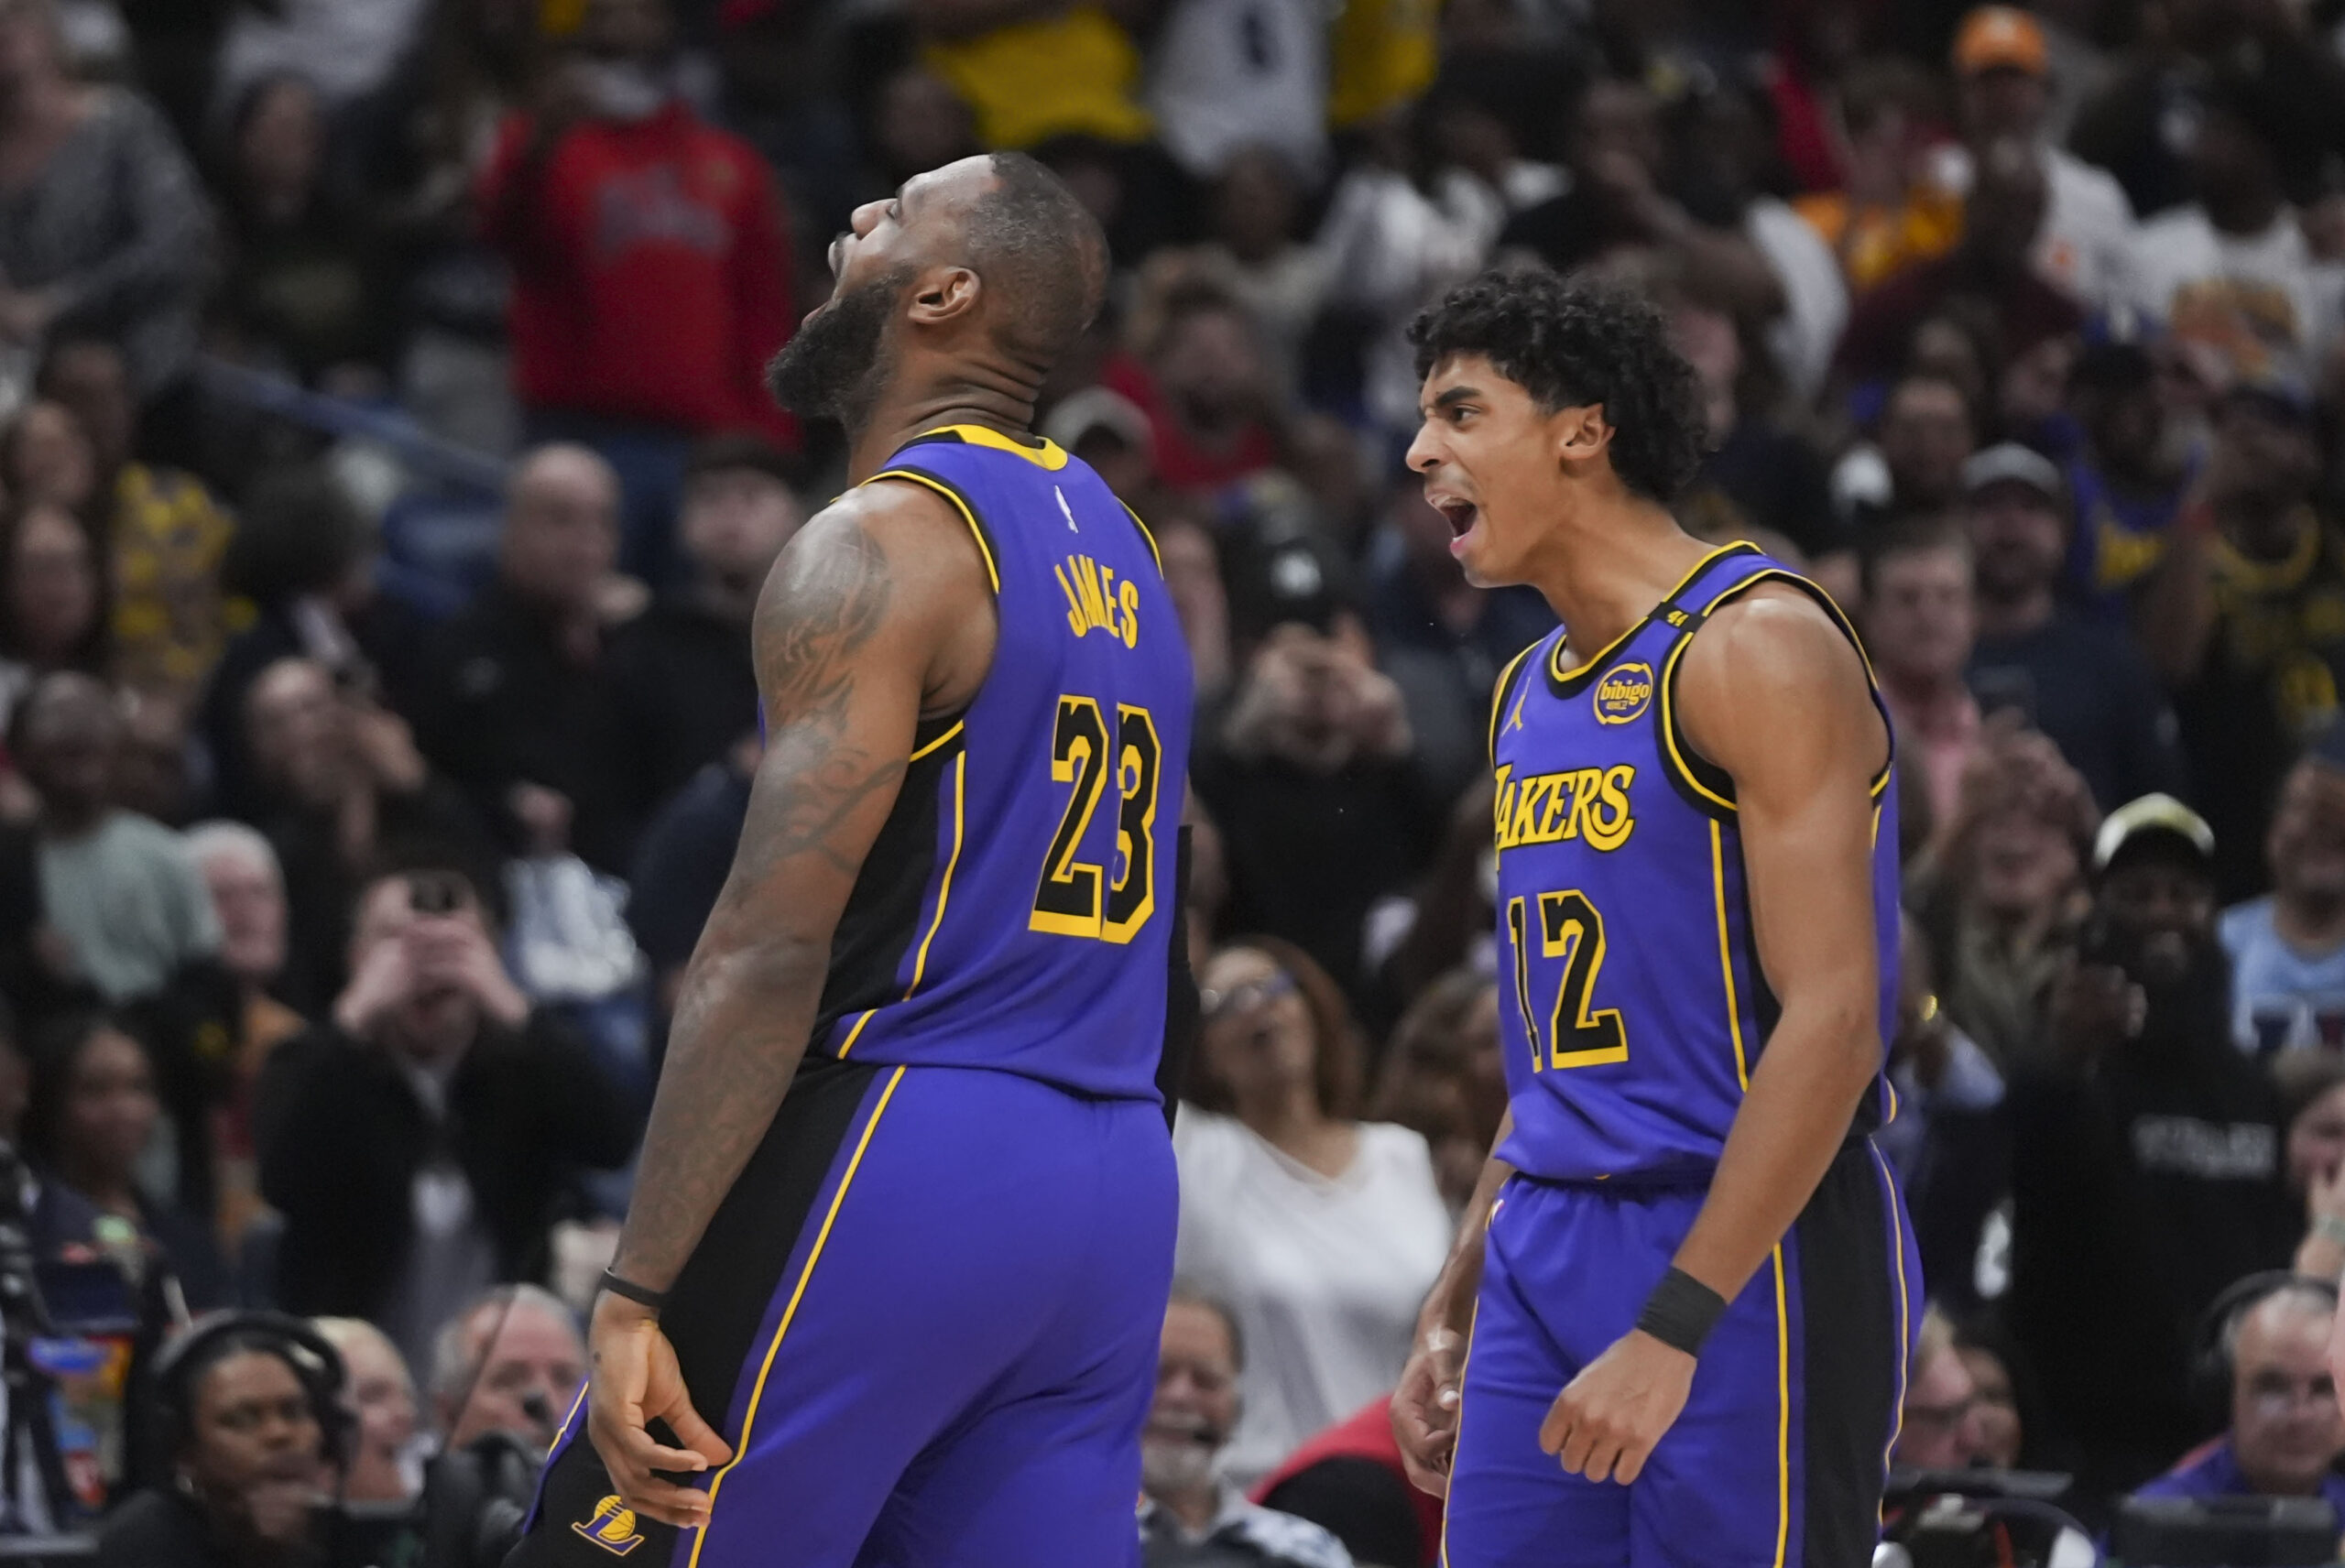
(683,667)
(2230,273)
(2287,948)
(650,265)
(2244,619)
(1990,272)
(2125,478)
(2003,86)
(1111,433)
(2085,686)
(2146,1171)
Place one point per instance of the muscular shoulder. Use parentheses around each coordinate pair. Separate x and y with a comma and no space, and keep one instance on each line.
(1772,665)
(889,568)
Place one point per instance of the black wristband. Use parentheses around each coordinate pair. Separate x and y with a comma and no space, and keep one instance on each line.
(641,1295)
(1680,1311)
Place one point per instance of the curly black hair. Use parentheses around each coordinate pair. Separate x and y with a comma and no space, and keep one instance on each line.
(1568,343)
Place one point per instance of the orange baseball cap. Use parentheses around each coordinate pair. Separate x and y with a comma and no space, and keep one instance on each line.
(2002,37)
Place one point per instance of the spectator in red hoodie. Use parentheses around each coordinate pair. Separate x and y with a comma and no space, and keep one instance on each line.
(651,266)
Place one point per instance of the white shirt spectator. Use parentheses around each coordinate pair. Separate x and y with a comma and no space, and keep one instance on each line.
(345,48)
(1232,73)
(1325,1274)
(1815,295)
(2261,299)
(2085,246)
(1391,253)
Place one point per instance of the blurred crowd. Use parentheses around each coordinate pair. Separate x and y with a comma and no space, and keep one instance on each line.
(386,482)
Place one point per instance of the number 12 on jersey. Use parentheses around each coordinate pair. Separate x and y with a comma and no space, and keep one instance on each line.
(1568,929)
(1080,897)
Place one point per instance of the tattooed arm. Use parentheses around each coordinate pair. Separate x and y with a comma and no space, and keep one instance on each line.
(870,618)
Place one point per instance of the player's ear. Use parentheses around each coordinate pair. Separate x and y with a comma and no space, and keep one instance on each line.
(943,294)
(1581,434)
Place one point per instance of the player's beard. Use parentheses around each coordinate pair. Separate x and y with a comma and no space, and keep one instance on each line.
(838,361)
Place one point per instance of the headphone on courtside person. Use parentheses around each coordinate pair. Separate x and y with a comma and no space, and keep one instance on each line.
(214,1337)
(2218,1330)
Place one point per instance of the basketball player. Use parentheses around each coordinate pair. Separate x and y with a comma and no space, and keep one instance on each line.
(889,1292)
(1683,1299)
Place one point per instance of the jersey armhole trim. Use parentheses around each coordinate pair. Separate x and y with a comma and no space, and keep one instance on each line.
(1708,787)
(1499,693)
(1147,535)
(961,504)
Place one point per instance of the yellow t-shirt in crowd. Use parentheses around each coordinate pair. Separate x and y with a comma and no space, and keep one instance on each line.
(1075,73)
(1381,54)
(1875,243)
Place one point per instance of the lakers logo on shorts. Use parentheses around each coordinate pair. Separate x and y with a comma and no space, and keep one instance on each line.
(1625,693)
(612,1527)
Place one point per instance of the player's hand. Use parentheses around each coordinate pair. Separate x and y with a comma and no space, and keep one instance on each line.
(1606,1422)
(635,1381)
(1424,1409)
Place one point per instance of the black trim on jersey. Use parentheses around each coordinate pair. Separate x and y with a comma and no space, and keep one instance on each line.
(1509,679)
(1183,1011)
(1585,675)
(1850,1335)
(987,536)
(881,920)
(717,1304)
(1707,775)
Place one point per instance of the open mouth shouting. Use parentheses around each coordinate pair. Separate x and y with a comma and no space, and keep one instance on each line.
(1457,511)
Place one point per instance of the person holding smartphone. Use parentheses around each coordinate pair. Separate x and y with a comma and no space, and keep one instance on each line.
(418,1142)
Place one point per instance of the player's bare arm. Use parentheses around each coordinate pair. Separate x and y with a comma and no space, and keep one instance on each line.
(1772,693)
(1424,1406)
(874,616)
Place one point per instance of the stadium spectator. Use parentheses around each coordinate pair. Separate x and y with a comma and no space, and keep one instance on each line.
(105,226)
(1937,1429)
(1311,781)
(305,557)
(337,780)
(2312,1104)
(2125,477)
(164,533)
(1207,390)
(1883,217)
(118,888)
(2236,619)
(89,1124)
(47,456)
(513,703)
(682,666)
(248,899)
(2287,948)
(650,265)
(2086,687)
(1615,153)
(2003,89)
(250,1475)
(52,600)
(1989,275)
(2146,1171)
(1443,1079)
(1926,431)
(1997,1435)
(512,1362)
(1921,621)
(2231,273)
(1289,1206)
(306,288)
(1190,1515)
(1349,1481)
(417,1143)
(2284,1431)
(384,1465)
